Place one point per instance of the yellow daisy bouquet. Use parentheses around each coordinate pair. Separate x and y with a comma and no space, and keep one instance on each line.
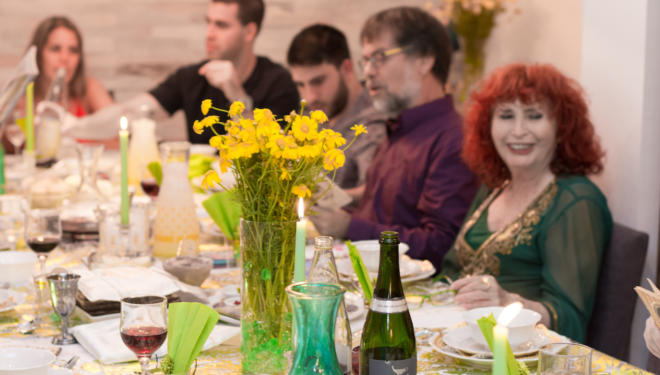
(274,161)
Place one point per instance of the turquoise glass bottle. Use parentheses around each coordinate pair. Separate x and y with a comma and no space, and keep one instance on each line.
(315,311)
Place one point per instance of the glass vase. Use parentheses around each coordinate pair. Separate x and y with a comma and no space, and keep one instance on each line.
(267,253)
(315,309)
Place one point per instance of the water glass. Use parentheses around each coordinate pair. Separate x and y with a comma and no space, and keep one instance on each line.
(564,359)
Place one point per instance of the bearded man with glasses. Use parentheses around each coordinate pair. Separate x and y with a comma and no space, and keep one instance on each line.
(417,183)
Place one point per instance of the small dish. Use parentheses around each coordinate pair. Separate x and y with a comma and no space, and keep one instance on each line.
(191,270)
(410,269)
(9,299)
(520,330)
(370,252)
(25,361)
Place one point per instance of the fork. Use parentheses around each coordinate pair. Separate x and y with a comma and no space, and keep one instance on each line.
(71,362)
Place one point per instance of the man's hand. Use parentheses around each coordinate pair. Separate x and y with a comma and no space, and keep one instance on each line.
(331,222)
(222,74)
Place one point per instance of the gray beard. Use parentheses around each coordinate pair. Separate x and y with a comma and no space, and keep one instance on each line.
(390,104)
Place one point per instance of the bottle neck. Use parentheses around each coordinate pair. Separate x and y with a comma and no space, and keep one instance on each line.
(324,269)
(388,284)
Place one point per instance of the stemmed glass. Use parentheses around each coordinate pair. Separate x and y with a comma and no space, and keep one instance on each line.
(63,290)
(43,232)
(143,326)
(148,183)
(16,136)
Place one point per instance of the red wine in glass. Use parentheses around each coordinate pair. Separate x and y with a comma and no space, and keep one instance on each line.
(143,341)
(150,187)
(43,244)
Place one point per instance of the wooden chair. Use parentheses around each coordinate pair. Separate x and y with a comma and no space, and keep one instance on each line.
(621,270)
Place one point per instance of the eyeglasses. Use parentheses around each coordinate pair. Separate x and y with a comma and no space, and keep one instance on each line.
(378,58)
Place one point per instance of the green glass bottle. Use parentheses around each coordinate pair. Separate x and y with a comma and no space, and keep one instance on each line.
(387,345)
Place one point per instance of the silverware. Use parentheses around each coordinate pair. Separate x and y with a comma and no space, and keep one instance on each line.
(71,362)
(25,327)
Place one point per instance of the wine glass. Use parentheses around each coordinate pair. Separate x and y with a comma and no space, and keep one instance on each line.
(43,232)
(16,136)
(63,290)
(143,326)
(148,183)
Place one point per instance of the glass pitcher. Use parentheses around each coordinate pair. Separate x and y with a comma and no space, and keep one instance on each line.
(176,219)
(143,148)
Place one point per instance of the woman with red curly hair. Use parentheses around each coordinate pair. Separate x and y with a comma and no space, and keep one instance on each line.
(538,227)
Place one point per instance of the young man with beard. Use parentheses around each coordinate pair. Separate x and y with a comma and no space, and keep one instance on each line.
(417,183)
(322,69)
(231,72)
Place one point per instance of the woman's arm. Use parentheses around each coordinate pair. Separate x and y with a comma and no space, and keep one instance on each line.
(97,96)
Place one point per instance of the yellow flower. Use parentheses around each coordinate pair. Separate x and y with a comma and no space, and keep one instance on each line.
(216,141)
(301,191)
(224,165)
(304,128)
(209,121)
(198,127)
(310,151)
(210,178)
(262,115)
(206,105)
(236,109)
(359,129)
(285,175)
(333,159)
(267,129)
(332,139)
(318,116)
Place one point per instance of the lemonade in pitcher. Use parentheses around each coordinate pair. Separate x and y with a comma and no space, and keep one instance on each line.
(176,219)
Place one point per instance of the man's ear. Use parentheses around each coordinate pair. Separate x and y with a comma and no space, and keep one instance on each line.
(424,64)
(346,68)
(250,32)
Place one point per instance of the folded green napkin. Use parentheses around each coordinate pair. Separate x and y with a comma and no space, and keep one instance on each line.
(486,324)
(189,324)
(199,164)
(360,271)
(225,212)
(156,170)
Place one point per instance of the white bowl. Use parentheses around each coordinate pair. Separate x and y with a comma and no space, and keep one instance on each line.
(521,329)
(16,266)
(25,361)
(370,253)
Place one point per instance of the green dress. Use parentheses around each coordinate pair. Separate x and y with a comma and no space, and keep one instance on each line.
(551,253)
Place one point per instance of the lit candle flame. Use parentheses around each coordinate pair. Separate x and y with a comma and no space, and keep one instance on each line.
(123,123)
(301,208)
(509,312)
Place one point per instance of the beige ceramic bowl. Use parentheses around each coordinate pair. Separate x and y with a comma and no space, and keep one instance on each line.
(370,253)
(191,270)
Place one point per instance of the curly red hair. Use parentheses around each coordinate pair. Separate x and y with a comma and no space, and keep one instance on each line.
(578,149)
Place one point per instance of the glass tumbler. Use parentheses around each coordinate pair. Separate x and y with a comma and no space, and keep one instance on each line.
(565,359)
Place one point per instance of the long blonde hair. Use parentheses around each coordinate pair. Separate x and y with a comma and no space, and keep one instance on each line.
(77,86)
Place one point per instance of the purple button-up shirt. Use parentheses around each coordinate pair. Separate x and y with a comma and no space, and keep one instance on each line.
(417,184)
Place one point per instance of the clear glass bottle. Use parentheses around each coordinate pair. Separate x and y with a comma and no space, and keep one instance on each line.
(324,270)
(176,219)
(387,344)
(143,148)
(48,132)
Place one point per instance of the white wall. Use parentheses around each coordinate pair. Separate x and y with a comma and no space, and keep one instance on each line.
(542,31)
(621,74)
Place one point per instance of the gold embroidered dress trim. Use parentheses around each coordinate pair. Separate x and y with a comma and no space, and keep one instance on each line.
(483,259)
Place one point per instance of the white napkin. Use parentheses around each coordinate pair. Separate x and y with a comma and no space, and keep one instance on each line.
(103,342)
(115,283)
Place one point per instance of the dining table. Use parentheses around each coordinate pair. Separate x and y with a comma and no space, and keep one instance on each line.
(432,319)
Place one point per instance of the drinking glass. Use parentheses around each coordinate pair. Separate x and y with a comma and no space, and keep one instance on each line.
(143,326)
(148,183)
(564,359)
(43,232)
(15,136)
(63,290)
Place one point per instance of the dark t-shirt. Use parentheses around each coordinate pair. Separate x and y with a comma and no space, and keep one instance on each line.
(270,86)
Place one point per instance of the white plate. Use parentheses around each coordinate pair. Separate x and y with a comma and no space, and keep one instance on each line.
(439,346)
(461,338)
(59,371)
(10,299)
(411,269)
